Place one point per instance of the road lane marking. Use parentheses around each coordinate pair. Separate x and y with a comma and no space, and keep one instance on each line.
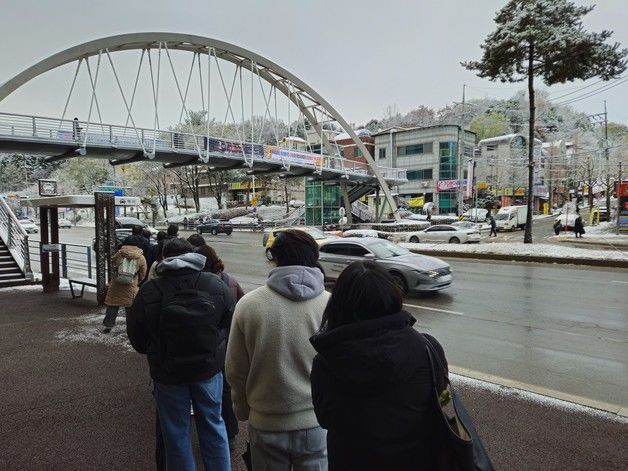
(427,308)
(618,281)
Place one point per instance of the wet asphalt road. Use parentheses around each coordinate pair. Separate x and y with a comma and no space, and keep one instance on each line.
(74,398)
(555,326)
(558,327)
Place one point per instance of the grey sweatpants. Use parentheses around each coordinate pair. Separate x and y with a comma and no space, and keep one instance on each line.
(298,450)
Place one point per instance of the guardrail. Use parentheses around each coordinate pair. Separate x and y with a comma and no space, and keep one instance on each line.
(149,141)
(75,260)
(15,238)
(362,211)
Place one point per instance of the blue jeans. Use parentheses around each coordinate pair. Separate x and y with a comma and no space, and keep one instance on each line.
(296,450)
(173,406)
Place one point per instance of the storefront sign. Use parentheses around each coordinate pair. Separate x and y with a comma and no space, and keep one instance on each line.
(417,202)
(447,185)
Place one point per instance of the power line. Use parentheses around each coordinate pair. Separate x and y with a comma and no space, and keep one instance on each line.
(593,92)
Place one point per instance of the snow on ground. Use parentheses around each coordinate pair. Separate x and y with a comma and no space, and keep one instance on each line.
(536,398)
(519,248)
(88,328)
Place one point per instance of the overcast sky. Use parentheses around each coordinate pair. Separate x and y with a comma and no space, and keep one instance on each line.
(360,55)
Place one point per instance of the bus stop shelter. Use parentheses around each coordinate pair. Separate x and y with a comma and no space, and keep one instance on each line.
(104,204)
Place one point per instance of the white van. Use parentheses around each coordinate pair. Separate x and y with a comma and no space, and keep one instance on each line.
(510,218)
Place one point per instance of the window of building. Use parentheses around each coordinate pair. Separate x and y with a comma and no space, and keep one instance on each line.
(413,149)
(382,153)
(491,146)
(357,152)
(423,174)
(448,161)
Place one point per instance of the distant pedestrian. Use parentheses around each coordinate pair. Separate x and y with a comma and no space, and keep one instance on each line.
(180,321)
(493,224)
(371,382)
(129,268)
(558,226)
(269,358)
(578,227)
(76,129)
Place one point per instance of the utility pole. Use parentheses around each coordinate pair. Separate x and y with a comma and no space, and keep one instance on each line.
(608,170)
(460,151)
(608,211)
(550,178)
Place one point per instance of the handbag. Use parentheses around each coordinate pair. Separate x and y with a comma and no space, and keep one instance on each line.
(460,447)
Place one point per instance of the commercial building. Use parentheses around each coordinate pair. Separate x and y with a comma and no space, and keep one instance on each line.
(502,168)
(431,156)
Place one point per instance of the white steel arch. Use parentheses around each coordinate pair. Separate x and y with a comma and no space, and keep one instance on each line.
(302,95)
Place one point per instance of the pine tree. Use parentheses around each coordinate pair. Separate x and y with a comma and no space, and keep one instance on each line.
(545,38)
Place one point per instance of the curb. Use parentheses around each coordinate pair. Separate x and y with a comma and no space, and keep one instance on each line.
(615,409)
(526,258)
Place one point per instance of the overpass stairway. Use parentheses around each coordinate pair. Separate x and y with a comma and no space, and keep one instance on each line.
(10,272)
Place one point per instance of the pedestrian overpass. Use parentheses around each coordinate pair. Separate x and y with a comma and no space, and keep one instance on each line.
(251,94)
(62,139)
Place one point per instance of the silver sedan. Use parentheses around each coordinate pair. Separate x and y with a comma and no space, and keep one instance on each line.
(445,233)
(414,273)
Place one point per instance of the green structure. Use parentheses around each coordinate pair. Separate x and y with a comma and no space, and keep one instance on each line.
(322,202)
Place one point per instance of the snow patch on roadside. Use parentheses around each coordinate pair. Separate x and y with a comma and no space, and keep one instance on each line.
(519,248)
(537,398)
(89,329)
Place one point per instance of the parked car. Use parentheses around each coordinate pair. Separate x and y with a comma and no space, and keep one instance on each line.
(319,236)
(475,214)
(467,225)
(29,226)
(445,233)
(65,224)
(215,227)
(361,233)
(247,222)
(414,273)
(121,235)
(125,222)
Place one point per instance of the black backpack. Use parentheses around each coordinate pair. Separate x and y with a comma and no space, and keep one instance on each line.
(189,337)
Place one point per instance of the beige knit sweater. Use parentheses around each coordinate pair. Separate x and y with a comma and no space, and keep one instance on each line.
(269,358)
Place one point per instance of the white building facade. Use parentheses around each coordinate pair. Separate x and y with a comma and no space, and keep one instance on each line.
(436,167)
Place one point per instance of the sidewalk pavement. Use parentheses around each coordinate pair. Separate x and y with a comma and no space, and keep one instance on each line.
(77,399)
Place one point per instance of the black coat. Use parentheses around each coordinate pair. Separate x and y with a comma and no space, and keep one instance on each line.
(371,389)
(145,330)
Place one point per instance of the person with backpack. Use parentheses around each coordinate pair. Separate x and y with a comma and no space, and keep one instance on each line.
(269,359)
(180,320)
(129,269)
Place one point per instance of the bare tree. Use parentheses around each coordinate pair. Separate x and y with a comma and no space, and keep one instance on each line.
(158,180)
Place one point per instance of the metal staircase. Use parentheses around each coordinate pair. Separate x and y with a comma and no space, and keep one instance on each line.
(361,212)
(15,268)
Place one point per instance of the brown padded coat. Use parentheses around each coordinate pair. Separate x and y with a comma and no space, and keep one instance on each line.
(123,295)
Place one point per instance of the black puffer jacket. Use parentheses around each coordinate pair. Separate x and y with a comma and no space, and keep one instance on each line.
(205,340)
(371,388)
